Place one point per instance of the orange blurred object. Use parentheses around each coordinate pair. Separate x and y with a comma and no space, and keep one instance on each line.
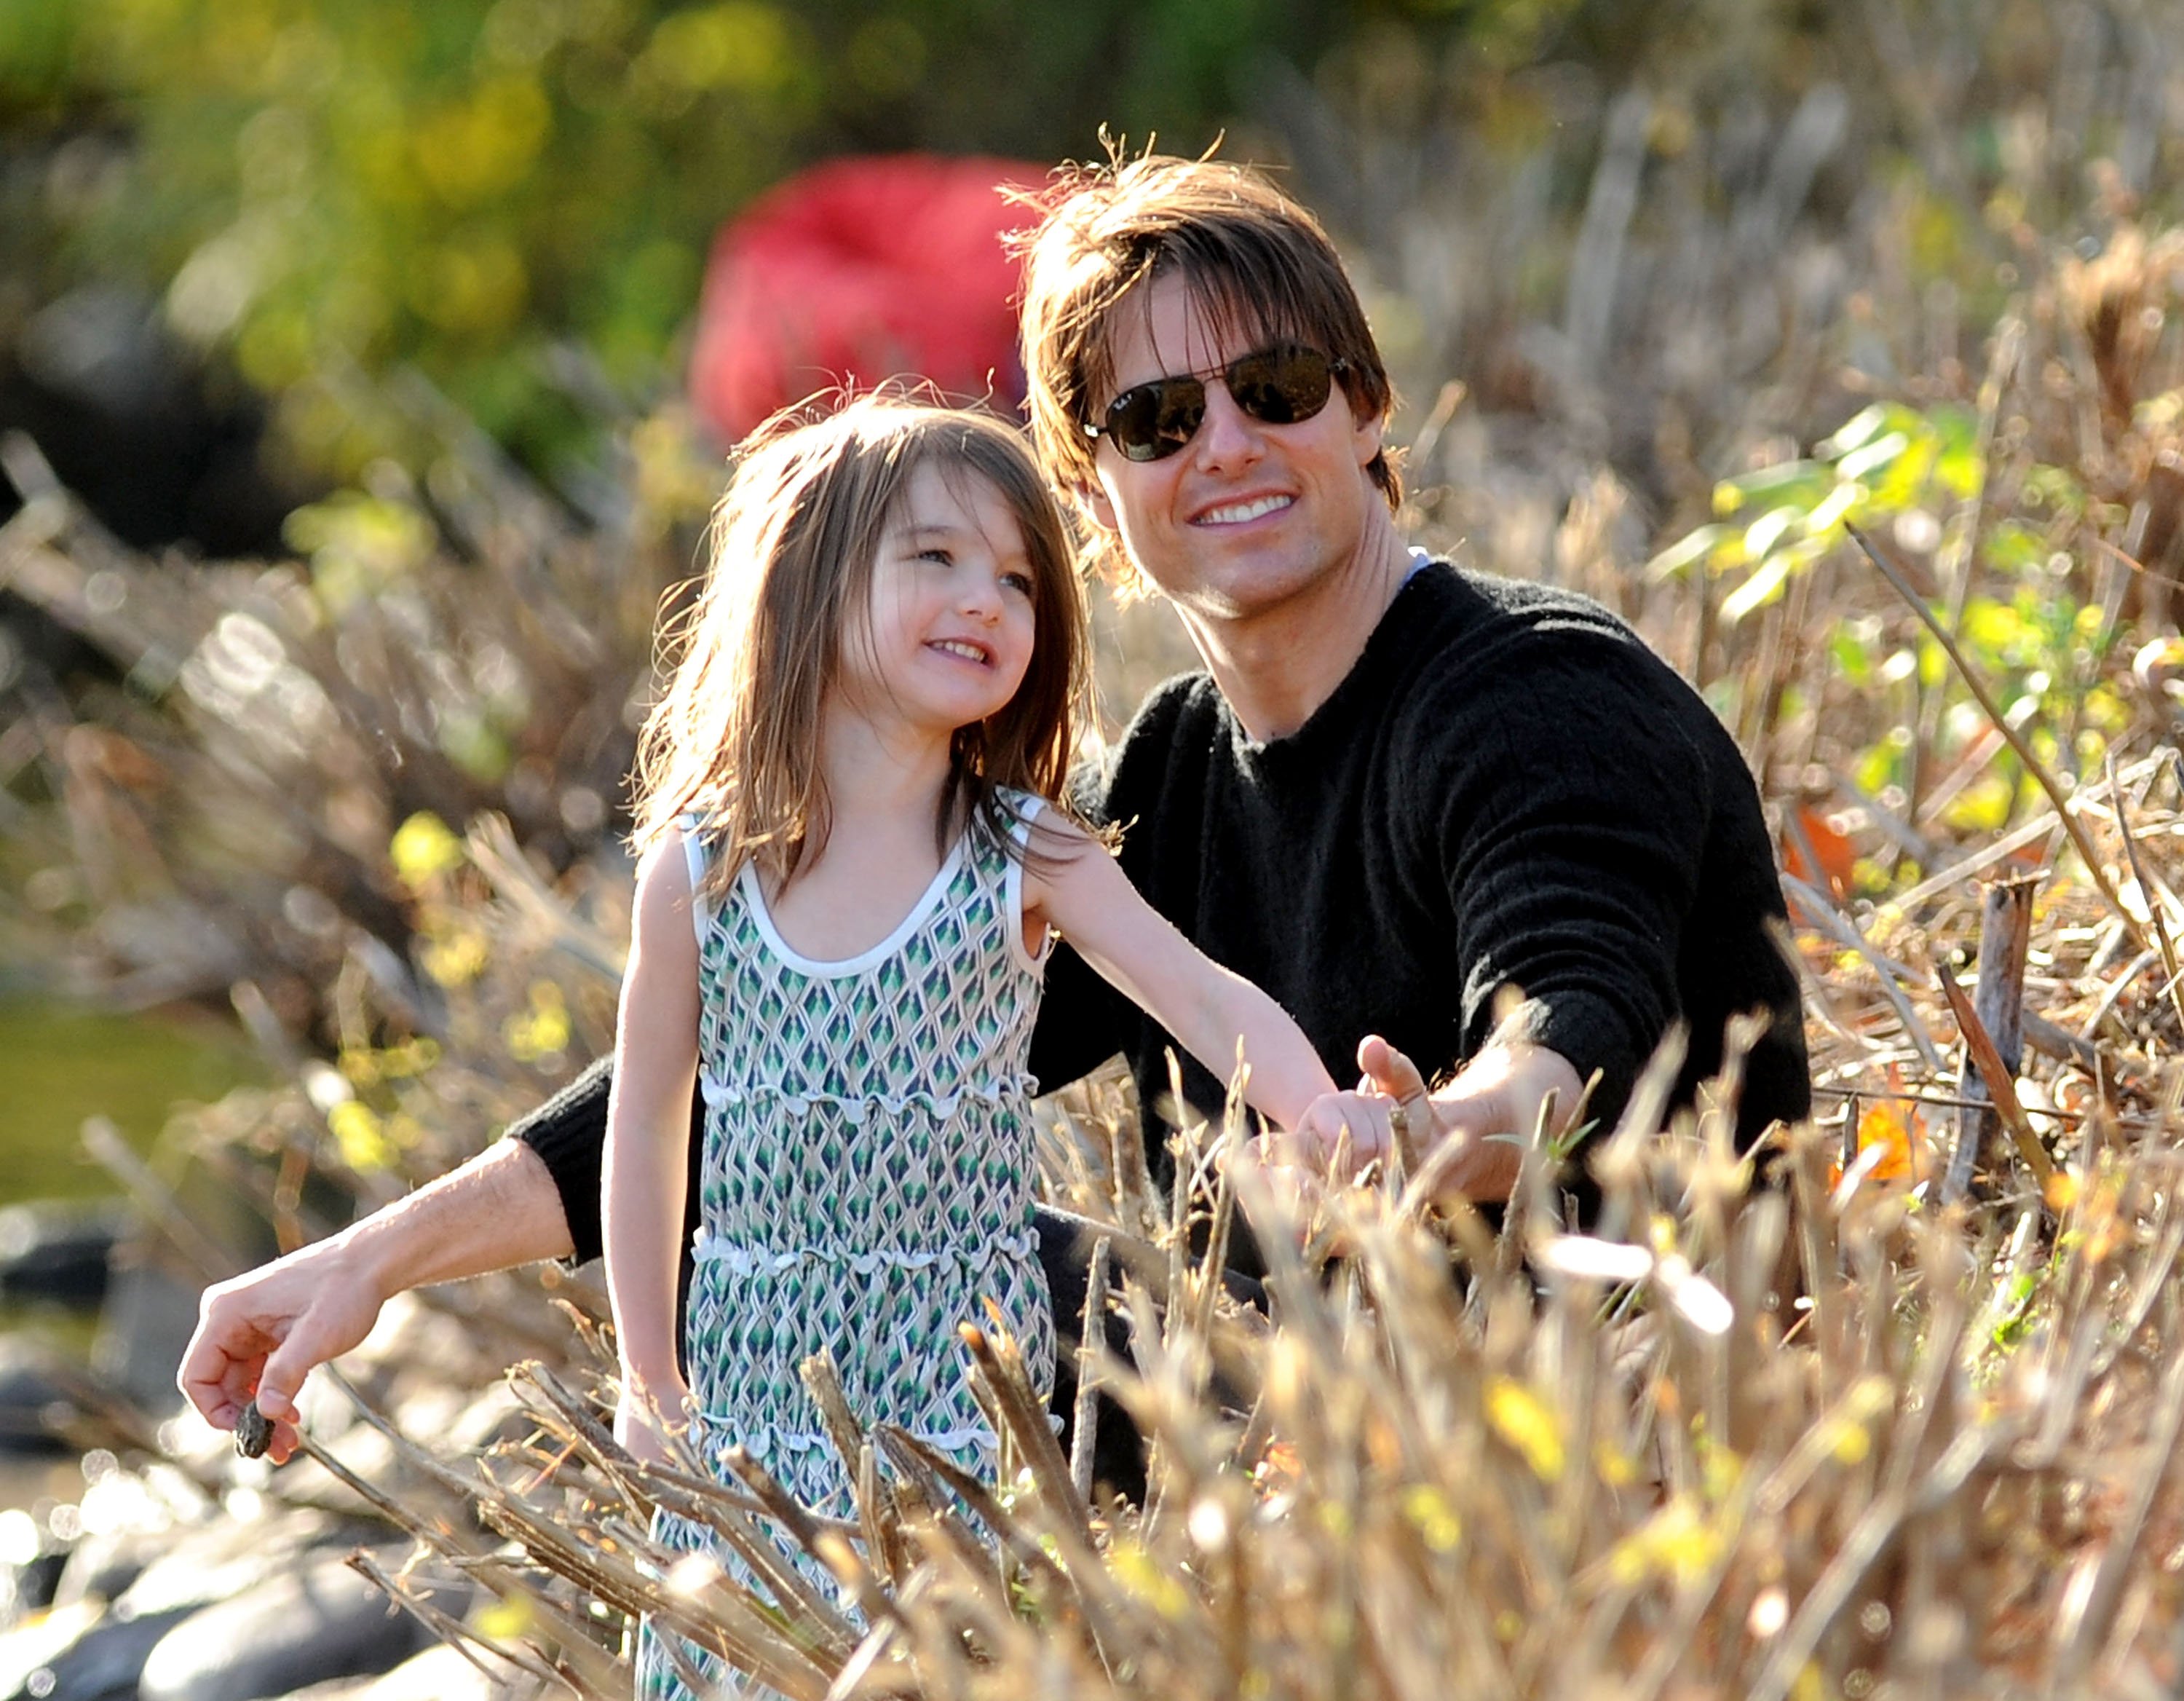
(1837,857)
(1279,1466)
(1899,1128)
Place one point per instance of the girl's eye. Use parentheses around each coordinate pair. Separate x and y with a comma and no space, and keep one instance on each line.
(937,554)
(1018,582)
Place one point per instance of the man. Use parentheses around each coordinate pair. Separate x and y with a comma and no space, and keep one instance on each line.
(1399,797)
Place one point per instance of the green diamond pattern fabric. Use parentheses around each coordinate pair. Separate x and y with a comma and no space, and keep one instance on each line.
(867,1182)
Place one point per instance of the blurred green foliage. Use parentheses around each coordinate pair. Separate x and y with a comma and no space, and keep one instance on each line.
(517,196)
(1914,477)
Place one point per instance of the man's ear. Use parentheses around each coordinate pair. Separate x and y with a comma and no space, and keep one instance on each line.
(1091,501)
(1368,435)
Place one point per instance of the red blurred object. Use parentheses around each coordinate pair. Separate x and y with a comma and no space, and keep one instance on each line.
(863,268)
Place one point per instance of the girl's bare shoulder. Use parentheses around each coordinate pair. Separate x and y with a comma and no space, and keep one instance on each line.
(663,880)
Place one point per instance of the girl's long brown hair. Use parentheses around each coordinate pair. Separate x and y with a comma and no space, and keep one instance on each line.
(736,738)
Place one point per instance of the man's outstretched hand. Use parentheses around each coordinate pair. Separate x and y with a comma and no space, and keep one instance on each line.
(1473,1129)
(264,1331)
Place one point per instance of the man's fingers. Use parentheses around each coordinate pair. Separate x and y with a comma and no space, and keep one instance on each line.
(1389,1072)
(332,1325)
(213,1383)
(224,1360)
(283,1379)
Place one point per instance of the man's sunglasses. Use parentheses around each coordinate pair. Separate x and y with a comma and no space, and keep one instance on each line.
(1276,386)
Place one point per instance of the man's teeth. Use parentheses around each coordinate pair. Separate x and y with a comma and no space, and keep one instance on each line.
(969,652)
(1242,511)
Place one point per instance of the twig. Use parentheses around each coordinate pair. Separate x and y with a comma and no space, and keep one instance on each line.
(1997,1077)
(1816,904)
(2005,937)
(458,1635)
(2166,945)
(1084,1437)
(103,1141)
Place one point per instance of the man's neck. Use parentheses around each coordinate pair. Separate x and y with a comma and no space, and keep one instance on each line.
(1276,665)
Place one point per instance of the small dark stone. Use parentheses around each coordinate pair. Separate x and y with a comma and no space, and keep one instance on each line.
(253,1432)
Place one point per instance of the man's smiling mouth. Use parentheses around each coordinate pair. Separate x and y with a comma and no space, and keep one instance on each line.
(1235,513)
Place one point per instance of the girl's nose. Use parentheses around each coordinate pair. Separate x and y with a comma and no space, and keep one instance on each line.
(980,597)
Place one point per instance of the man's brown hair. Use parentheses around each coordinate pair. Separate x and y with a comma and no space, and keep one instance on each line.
(1255,259)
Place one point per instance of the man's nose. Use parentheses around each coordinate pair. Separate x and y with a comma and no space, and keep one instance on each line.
(1227,435)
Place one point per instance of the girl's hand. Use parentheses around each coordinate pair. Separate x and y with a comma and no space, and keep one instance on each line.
(1339,1139)
(1340,1134)
(643,1417)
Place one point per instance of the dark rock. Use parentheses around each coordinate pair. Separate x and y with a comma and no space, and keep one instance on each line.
(31,1400)
(103,1664)
(162,449)
(101,1567)
(227,1558)
(56,1253)
(29,1587)
(323,1622)
(143,1329)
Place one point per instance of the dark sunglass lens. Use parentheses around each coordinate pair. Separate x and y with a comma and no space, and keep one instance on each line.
(1282,386)
(1154,421)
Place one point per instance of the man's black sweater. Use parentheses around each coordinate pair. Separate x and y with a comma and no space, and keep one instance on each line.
(1508,789)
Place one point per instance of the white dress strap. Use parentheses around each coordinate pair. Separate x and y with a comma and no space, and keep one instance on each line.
(1026,806)
(693,853)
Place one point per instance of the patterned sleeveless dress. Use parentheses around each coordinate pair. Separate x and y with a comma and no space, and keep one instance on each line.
(866,1185)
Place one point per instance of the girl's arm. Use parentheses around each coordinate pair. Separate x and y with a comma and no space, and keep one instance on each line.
(648,1129)
(1083,891)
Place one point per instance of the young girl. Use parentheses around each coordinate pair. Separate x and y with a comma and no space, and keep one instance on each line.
(848,884)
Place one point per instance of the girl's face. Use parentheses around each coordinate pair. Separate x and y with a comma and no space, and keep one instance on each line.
(948,632)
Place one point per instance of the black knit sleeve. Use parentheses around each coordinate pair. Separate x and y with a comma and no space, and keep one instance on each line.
(569,1132)
(1081,1019)
(1082,1022)
(1572,819)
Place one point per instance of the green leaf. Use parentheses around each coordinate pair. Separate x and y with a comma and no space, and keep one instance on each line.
(1678,559)
(423,847)
(1959,466)
(1767,530)
(1859,429)
(1837,507)
(1850,656)
(2014,547)
(1764,585)
(1873,456)
(1799,483)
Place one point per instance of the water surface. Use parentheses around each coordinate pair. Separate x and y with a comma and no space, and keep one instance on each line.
(61,1062)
